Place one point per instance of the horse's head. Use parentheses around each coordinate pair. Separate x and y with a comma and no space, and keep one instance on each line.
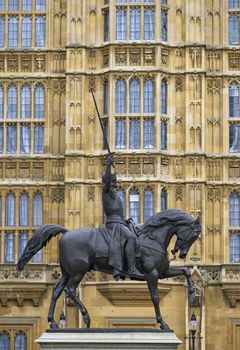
(186,236)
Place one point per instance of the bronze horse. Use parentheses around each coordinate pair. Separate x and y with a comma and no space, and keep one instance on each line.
(78,256)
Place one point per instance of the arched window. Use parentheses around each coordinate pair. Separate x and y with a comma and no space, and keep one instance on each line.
(163,199)
(134,205)
(26,101)
(37,209)
(22,241)
(233,100)
(20,341)
(10,210)
(148,102)
(134,96)
(147,204)
(39,102)
(26,31)
(164,96)
(12,102)
(1,102)
(122,195)
(24,210)
(13,31)
(234,208)
(105,97)
(120,96)
(4,340)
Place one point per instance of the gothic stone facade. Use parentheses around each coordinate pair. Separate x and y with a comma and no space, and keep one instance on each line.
(192,157)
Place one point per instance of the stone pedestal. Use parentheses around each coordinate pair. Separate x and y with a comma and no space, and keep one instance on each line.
(114,339)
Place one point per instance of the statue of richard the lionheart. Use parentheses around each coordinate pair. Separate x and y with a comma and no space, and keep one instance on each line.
(118,248)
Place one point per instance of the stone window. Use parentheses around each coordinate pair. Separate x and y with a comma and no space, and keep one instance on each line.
(164,96)
(135,20)
(13,340)
(232,4)
(23,27)
(233,20)
(147,204)
(134,208)
(24,134)
(164,25)
(23,210)
(120,103)
(120,133)
(134,96)
(163,134)
(105,97)
(234,137)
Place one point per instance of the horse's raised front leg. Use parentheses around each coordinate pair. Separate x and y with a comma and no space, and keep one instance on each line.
(152,281)
(178,271)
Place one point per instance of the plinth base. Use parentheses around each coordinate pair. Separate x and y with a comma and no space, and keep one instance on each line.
(114,339)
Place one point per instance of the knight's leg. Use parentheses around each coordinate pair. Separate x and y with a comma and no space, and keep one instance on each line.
(179,271)
(152,281)
(55,295)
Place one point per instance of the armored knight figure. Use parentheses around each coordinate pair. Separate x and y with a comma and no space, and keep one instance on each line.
(123,242)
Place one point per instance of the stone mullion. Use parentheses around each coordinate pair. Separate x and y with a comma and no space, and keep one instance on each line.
(157,21)
(203,118)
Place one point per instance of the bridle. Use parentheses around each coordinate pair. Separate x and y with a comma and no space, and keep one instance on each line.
(183,241)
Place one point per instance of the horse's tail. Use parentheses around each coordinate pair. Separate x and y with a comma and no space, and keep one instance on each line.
(38,241)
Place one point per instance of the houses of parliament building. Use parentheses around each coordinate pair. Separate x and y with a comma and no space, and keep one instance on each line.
(166,77)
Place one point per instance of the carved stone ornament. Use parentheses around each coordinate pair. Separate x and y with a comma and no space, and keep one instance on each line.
(148,166)
(58,195)
(164,56)
(135,56)
(214,229)
(234,170)
(92,84)
(149,56)
(214,194)
(12,63)
(179,193)
(214,85)
(40,63)
(105,55)
(121,56)
(232,294)
(26,63)
(91,193)
(234,61)
(2,63)
(178,83)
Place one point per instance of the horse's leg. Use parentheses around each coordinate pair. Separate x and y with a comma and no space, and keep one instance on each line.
(178,271)
(57,290)
(152,281)
(70,290)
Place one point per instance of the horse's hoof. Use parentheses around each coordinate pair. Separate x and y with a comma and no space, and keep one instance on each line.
(164,327)
(54,325)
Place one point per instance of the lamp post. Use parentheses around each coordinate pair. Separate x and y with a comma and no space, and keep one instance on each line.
(193,329)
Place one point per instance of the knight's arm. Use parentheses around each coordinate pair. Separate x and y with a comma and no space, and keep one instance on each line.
(107,176)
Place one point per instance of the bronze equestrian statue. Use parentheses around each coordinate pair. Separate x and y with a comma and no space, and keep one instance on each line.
(86,249)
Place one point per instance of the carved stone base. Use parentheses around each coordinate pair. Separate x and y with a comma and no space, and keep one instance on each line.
(115,339)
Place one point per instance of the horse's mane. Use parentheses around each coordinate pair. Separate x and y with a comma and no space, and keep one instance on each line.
(177,216)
